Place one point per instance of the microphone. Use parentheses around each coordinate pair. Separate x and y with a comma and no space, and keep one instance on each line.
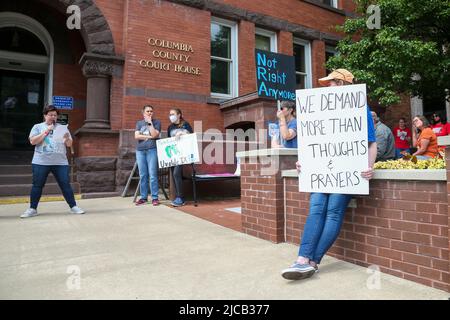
(51,131)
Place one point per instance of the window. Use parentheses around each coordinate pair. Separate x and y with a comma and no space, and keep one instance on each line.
(265,40)
(223,59)
(329,52)
(331,3)
(302,55)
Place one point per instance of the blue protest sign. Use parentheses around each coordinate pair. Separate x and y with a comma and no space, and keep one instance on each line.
(61,102)
(275,75)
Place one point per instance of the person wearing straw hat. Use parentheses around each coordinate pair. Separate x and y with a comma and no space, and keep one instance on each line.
(327,210)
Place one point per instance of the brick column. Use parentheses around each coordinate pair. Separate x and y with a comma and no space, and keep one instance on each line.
(285,43)
(247,71)
(262,198)
(97,143)
(318,61)
(445,141)
(99,69)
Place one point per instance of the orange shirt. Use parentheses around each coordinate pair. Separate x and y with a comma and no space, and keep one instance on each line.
(432,149)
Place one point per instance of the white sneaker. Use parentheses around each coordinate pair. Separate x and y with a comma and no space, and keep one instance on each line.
(76,210)
(30,212)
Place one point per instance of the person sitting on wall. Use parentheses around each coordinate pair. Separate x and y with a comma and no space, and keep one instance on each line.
(327,210)
(402,135)
(50,156)
(385,140)
(177,128)
(287,123)
(439,125)
(147,132)
(424,139)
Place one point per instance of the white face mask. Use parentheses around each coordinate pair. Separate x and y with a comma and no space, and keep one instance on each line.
(173,118)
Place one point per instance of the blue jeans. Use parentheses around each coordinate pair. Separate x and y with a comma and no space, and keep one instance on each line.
(147,161)
(61,174)
(322,227)
(398,155)
(177,174)
(423,157)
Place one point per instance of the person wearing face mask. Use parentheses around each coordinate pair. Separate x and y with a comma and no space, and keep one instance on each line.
(147,132)
(178,126)
(50,156)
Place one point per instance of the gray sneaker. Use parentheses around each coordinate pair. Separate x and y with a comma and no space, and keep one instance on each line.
(298,271)
(30,212)
(76,210)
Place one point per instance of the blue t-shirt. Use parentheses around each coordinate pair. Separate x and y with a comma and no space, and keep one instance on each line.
(293,125)
(143,128)
(370,127)
(293,142)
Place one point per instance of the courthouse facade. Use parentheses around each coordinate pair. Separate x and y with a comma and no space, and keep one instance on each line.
(196,55)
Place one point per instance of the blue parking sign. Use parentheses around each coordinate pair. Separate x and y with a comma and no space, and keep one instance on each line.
(61,102)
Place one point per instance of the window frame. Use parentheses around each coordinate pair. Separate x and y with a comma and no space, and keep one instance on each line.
(308,73)
(233,60)
(270,34)
(335,4)
(331,50)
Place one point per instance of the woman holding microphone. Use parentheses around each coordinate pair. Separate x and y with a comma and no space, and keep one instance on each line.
(50,156)
(178,127)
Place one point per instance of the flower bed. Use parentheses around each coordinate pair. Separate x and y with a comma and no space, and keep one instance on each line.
(436,163)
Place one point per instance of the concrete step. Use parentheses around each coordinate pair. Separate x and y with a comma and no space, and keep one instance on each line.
(9,169)
(21,179)
(16,157)
(24,189)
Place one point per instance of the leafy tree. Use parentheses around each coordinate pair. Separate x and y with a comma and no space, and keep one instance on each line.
(409,53)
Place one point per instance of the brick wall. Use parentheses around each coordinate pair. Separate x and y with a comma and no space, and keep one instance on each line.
(285,43)
(262,197)
(294,11)
(390,115)
(402,227)
(98,145)
(165,89)
(317,62)
(246,45)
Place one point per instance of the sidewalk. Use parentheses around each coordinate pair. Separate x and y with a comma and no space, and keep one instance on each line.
(121,251)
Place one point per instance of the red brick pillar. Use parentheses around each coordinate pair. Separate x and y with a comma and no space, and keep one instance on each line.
(285,43)
(318,61)
(99,69)
(262,196)
(247,70)
(445,141)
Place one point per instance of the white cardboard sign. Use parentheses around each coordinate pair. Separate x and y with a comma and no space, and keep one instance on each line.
(177,150)
(332,139)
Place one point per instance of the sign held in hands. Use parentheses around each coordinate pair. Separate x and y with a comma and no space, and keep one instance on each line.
(332,134)
(177,150)
(275,75)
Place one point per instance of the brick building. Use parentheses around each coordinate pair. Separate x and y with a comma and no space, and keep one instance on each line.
(196,55)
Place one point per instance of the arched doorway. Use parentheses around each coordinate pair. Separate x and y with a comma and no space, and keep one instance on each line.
(26,77)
